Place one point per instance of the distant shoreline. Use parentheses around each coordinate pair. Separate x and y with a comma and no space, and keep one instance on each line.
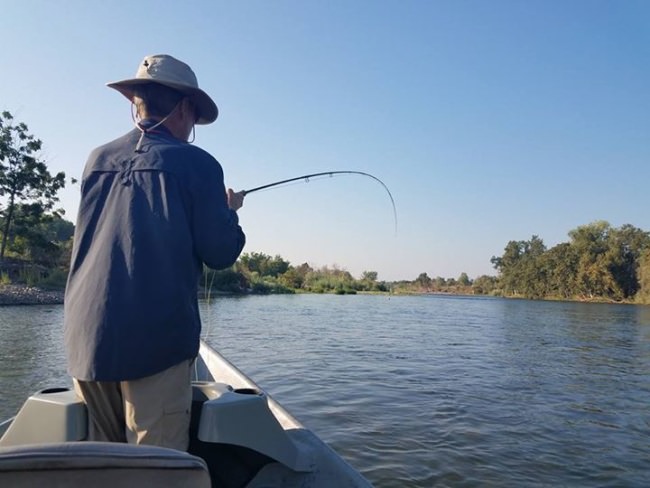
(12,294)
(29,295)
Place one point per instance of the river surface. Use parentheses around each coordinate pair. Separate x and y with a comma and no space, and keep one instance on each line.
(422,391)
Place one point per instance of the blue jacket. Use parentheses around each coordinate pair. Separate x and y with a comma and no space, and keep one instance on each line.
(147,222)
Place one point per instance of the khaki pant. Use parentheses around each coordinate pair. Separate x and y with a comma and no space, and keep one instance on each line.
(154,410)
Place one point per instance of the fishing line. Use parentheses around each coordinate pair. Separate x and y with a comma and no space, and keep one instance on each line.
(208,298)
(307,178)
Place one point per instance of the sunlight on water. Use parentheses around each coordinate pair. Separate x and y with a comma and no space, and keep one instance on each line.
(423,391)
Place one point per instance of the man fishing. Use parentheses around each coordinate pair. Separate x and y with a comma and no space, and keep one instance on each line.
(153,210)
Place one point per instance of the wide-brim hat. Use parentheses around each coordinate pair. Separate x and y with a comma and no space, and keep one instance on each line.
(169,71)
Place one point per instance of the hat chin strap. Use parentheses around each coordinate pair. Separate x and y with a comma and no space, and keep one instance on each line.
(144,130)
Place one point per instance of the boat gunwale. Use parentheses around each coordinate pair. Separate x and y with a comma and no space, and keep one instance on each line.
(211,358)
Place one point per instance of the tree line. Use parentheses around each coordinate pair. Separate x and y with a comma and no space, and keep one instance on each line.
(35,239)
(257,272)
(599,262)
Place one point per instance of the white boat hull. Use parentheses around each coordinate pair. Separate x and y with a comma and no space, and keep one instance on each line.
(244,436)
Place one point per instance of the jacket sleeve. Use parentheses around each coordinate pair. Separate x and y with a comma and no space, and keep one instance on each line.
(218,237)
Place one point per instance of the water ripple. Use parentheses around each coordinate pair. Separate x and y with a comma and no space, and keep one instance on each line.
(425,391)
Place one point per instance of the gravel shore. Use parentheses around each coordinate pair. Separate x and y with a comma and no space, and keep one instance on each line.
(29,295)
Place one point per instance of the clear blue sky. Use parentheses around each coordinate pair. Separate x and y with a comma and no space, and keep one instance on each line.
(489,121)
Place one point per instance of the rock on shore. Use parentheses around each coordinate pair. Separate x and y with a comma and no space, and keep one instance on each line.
(29,295)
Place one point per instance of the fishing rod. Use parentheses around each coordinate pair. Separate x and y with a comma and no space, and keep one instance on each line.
(306,179)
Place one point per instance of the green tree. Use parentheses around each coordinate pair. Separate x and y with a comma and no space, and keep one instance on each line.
(368,281)
(626,245)
(594,277)
(40,237)
(484,285)
(369,275)
(561,265)
(463,279)
(327,279)
(264,265)
(519,268)
(423,281)
(533,276)
(440,282)
(643,294)
(294,277)
(508,266)
(24,178)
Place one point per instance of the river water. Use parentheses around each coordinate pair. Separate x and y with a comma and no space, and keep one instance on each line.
(422,391)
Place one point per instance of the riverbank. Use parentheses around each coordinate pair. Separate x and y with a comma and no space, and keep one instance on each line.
(14,294)
(29,295)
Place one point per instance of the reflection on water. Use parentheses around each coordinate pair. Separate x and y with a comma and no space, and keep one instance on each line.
(423,391)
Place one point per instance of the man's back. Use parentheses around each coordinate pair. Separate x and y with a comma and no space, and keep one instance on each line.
(147,222)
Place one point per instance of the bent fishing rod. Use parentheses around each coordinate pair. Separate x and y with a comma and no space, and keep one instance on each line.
(307,178)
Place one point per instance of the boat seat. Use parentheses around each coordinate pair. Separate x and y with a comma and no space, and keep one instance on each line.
(100,465)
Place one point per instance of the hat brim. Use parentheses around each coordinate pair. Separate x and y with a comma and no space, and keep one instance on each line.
(208,111)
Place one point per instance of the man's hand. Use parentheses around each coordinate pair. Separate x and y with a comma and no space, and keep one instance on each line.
(235,199)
